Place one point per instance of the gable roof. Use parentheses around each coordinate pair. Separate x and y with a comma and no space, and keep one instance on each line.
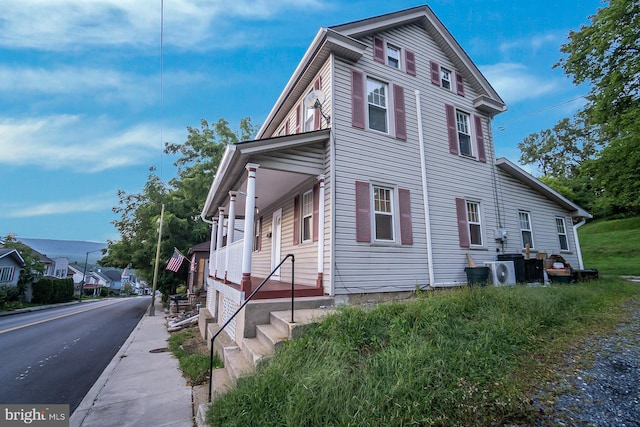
(539,186)
(12,254)
(341,40)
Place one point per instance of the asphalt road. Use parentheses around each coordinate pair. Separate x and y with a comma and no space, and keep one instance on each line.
(54,356)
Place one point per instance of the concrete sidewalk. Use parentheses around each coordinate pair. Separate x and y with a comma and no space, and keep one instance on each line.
(139,387)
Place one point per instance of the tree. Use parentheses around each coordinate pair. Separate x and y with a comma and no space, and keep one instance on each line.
(606,54)
(183,198)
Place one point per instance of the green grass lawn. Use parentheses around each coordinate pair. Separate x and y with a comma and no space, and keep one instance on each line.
(613,247)
(465,356)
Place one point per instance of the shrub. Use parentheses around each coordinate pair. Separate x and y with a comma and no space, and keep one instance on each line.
(51,291)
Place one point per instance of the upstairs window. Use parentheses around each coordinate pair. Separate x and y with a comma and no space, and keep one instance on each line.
(445,78)
(562,234)
(393,56)
(464,133)
(377,103)
(525,229)
(309,118)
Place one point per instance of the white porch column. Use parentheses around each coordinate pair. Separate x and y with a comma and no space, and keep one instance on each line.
(249,214)
(220,237)
(213,265)
(232,216)
(321,216)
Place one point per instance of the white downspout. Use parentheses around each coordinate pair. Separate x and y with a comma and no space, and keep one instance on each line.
(575,237)
(425,191)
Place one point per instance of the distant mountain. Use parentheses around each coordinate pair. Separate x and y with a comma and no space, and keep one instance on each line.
(75,250)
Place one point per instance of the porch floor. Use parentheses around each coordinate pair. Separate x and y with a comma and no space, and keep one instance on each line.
(279,289)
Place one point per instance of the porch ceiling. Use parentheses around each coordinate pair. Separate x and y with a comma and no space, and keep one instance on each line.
(284,163)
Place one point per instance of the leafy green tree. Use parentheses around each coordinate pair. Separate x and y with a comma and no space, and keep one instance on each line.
(183,197)
(606,54)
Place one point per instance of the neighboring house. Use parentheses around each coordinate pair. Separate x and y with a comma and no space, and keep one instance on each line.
(376,169)
(115,280)
(94,281)
(11,264)
(198,266)
(139,286)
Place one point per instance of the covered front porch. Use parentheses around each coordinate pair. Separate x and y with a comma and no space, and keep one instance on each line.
(255,205)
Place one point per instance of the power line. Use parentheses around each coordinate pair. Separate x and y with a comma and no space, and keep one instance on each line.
(502,126)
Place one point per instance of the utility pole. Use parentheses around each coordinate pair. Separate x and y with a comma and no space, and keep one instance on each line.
(152,307)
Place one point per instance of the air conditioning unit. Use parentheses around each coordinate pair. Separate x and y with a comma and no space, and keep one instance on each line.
(502,272)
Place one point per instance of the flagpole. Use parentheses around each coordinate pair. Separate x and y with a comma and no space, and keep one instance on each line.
(152,307)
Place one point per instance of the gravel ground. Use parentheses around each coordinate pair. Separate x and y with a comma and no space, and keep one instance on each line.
(600,383)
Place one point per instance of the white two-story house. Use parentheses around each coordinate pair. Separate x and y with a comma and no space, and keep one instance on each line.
(376,169)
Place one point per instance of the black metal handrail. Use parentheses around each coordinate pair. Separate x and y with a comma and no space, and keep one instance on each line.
(293,260)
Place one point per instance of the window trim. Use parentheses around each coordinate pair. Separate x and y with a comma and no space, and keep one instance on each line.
(388,57)
(560,220)
(478,223)
(448,72)
(523,230)
(391,213)
(460,113)
(385,86)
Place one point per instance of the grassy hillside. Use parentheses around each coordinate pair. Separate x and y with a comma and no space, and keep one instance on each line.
(613,247)
(467,356)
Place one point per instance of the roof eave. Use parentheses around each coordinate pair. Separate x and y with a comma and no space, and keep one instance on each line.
(534,183)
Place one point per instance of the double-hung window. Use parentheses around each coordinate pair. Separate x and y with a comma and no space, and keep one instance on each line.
(445,78)
(464,133)
(393,56)
(377,101)
(562,234)
(383,213)
(473,220)
(309,118)
(307,215)
(525,229)
(257,230)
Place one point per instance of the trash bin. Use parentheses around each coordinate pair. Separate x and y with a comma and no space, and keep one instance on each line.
(477,275)
(533,270)
(518,264)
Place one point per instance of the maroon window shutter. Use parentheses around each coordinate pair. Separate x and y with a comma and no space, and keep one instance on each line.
(286,128)
(317,85)
(459,84)
(463,229)
(296,220)
(406,231)
(410,62)
(260,235)
(451,128)
(399,110)
(435,73)
(378,49)
(363,219)
(357,99)
(480,139)
(298,117)
(316,211)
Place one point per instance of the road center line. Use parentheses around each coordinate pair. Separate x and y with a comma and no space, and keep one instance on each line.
(55,318)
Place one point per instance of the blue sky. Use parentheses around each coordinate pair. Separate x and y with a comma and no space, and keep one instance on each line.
(82,113)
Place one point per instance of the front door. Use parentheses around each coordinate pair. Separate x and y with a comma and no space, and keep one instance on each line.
(276,232)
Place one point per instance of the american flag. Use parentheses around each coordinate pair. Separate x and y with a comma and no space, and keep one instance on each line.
(175,262)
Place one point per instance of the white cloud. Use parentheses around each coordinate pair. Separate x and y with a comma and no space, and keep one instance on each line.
(78,143)
(92,203)
(75,24)
(533,43)
(515,82)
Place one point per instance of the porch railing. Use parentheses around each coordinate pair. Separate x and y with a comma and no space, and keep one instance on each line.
(255,291)
(228,259)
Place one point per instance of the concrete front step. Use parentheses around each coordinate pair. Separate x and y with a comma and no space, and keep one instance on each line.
(255,351)
(236,363)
